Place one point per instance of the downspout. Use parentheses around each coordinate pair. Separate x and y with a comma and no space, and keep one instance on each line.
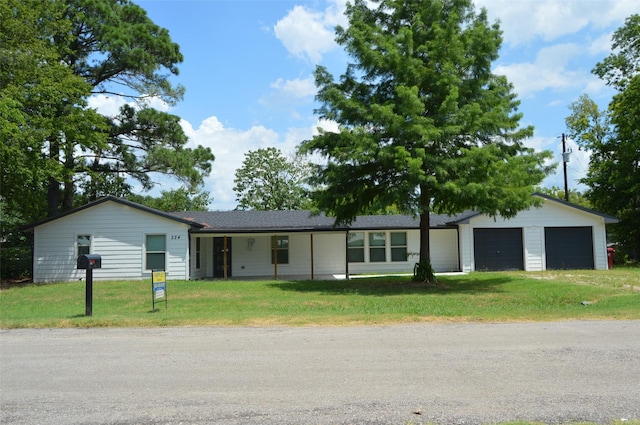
(458,243)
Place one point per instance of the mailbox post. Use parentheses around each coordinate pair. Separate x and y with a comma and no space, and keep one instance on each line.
(89,262)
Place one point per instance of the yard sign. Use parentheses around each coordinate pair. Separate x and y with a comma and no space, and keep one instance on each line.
(158,288)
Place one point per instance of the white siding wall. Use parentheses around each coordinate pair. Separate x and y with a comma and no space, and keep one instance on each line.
(206,257)
(117,234)
(533,222)
(443,244)
(329,253)
(534,252)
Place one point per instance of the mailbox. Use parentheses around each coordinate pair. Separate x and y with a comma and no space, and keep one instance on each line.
(89,261)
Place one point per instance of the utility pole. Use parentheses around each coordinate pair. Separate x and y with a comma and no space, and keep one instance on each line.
(565,159)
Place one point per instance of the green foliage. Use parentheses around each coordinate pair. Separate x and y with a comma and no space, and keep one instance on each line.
(53,56)
(424,123)
(623,65)
(268,181)
(15,262)
(575,196)
(176,200)
(612,138)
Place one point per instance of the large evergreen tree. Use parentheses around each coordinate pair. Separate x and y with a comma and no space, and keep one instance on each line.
(424,123)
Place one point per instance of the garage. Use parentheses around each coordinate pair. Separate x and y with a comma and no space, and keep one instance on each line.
(569,247)
(498,249)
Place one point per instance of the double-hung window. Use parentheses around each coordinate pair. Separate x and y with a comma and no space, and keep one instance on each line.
(281,246)
(156,252)
(84,244)
(355,247)
(399,246)
(377,247)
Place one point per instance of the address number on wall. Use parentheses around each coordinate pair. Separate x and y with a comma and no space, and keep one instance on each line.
(174,237)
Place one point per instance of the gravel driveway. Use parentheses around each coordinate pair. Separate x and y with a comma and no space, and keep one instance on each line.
(441,373)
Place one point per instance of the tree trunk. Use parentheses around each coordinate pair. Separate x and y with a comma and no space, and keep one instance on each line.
(53,197)
(69,189)
(53,188)
(425,253)
(423,272)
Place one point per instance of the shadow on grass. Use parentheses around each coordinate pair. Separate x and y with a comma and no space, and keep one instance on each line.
(381,286)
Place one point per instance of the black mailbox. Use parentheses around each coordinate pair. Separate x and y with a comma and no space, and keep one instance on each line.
(89,261)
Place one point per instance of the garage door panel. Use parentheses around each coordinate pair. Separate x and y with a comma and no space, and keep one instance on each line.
(569,247)
(498,249)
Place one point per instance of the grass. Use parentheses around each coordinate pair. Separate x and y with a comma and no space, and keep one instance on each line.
(481,297)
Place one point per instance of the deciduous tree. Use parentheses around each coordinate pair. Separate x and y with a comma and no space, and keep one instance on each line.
(71,50)
(176,200)
(424,122)
(613,139)
(268,180)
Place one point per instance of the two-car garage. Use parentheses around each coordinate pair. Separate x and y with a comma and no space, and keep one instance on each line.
(503,248)
(555,235)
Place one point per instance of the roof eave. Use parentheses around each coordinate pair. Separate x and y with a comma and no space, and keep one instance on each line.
(120,201)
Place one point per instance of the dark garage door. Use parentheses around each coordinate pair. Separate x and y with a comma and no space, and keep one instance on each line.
(569,247)
(498,249)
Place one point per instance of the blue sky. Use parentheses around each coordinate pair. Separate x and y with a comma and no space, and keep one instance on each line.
(248,71)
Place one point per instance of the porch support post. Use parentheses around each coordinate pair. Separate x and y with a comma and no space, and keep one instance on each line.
(311,239)
(346,255)
(224,257)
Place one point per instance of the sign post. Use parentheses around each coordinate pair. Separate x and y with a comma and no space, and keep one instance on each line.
(158,288)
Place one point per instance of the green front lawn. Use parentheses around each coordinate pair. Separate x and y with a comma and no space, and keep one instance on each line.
(490,297)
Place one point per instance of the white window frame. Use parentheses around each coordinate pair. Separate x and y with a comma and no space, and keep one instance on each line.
(147,251)
(405,246)
(358,247)
(272,252)
(382,248)
(83,235)
(388,247)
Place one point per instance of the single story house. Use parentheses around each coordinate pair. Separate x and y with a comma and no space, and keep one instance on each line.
(133,240)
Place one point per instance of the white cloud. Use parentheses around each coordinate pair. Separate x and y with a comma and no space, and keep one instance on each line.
(309,34)
(328,126)
(601,45)
(526,20)
(304,34)
(230,145)
(109,105)
(295,88)
(548,71)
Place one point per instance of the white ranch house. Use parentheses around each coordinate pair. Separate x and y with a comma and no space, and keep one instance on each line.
(133,240)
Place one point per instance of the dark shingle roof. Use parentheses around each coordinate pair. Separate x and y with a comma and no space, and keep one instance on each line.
(298,221)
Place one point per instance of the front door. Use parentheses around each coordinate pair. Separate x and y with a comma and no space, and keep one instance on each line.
(221,257)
